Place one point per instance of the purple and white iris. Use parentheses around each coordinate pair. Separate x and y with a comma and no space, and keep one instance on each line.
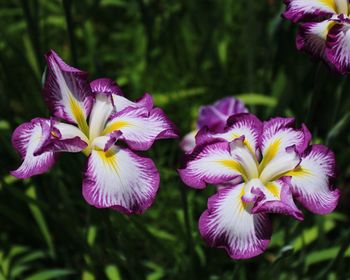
(97,117)
(262,166)
(324,31)
(214,117)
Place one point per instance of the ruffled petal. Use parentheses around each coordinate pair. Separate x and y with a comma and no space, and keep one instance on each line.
(338,47)
(141,127)
(246,125)
(301,10)
(121,180)
(229,224)
(311,180)
(312,36)
(27,139)
(278,135)
(275,197)
(210,164)
(106,86)
(121,103)
(215,116)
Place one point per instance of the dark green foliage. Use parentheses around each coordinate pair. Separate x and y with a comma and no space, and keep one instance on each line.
(186,53)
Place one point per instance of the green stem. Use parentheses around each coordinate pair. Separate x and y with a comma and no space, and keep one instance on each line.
(33,29)
(70,30)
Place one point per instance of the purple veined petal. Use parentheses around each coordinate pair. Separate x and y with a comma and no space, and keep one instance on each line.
(312,36)
(27,139)
(188,143)
(229,224)
(278,135)
(141,127)
(215,116)
(121,103)
(106,86)
(311,180)
(338,47)
(301,10)
(67,91)
(276,197)
(121,180)
(239,125)
(210,164)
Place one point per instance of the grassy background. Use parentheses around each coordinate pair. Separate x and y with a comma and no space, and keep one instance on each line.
(186,53)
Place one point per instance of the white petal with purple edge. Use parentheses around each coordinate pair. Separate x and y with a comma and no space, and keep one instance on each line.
(67,91)
(141,128)
(27,139)
(278,135)
(121,180)
(228,224)
(311,180)
(120,102)
(312,36)
(338,47)
(210,164)
(300,10)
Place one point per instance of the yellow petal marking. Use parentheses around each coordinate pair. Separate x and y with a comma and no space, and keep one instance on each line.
(116,126)
(235,165)
(273,189)
(78,115)
(271,152)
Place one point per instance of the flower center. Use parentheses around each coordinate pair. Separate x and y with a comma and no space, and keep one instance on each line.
(259,176)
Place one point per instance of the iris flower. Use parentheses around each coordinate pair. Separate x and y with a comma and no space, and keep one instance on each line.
(263,166)
(98,118)
(214,117)
(325,30)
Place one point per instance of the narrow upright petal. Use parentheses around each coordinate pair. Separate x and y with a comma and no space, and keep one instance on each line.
(67,91)
(215,116)
(140,127)
(338,47)
(311,180)
(229,224)
(121,180)
(210,164)
(300,10)
(27,139)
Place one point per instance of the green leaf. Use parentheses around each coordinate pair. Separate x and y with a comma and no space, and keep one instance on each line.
(324,255)
(339,127)
(257,99)
(39,218)
(311,234)
(112,272)
(50,274)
